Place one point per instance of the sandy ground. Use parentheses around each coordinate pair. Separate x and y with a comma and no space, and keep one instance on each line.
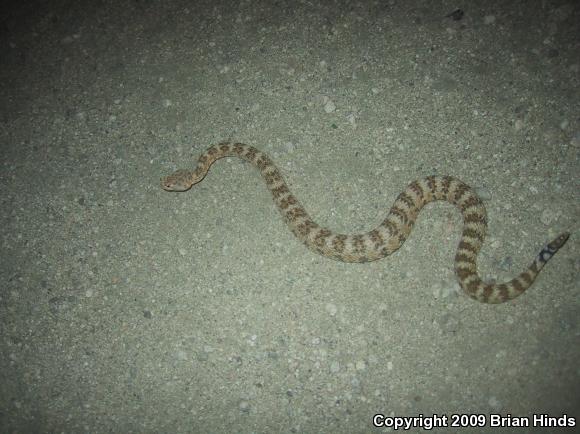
(124,308)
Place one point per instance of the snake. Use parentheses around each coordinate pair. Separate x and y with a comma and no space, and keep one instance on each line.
(392,232)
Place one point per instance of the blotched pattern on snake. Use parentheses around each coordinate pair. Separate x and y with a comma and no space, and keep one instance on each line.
(392,232)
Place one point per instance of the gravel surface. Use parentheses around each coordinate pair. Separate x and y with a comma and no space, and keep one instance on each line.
(125,308)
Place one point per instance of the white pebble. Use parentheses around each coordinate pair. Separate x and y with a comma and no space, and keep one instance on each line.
(548,217)
(329,106)
(331,309)
(244,406)
(489,19)
(494,403)
(351,119)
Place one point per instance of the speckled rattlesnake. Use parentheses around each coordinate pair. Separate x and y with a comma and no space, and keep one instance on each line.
(392,232)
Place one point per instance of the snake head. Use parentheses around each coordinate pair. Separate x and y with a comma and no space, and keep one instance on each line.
(179,180)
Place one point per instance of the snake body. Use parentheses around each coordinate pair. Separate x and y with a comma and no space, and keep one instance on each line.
(392,232)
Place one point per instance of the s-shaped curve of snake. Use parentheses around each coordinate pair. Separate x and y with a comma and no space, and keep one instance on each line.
(392,232)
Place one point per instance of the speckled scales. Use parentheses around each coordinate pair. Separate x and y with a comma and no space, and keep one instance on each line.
(392,232)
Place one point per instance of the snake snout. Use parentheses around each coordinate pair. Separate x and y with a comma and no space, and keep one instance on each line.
(173,185)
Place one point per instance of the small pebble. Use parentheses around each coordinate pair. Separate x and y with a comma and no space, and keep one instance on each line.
(489,19)
(244,406)
(329,106)
(331,309)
